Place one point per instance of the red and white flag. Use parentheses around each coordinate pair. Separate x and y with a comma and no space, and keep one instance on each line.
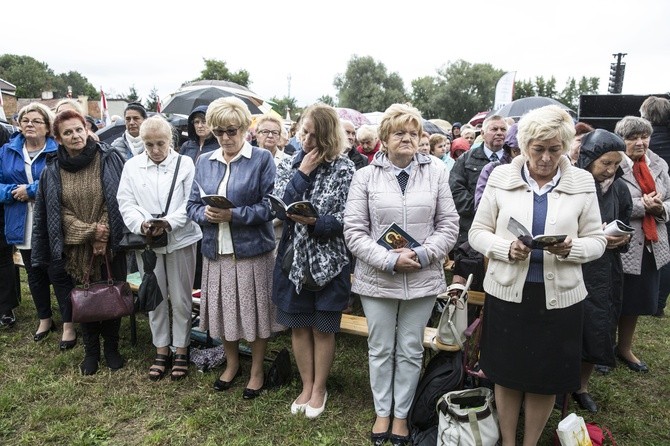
(159,106)
(104,112)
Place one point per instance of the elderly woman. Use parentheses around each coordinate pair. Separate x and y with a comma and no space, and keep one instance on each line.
(532,334)
(320,173)
(22,160)
(646,175)
(130,143)
(369,143)
(601,154)
(73,104)
(144,191)
(400,285)
(268,134)
(77,217)
(238,243)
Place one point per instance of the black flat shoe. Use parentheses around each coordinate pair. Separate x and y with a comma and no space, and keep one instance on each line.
(400,440)
(220,385)
(640,367)
(250,394)
(379,438)
(67,345)
(43,334)
(8,319)
(585,401)
(602,369)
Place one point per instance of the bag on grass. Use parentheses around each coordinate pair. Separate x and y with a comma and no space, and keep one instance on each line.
(454,319)
(467,418)
(443,374)
(572,431)
(280,372)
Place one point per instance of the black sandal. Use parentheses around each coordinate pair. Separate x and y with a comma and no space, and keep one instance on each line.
(179,367)
(155,373)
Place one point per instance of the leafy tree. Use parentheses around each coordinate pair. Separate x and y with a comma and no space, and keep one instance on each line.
(523,89)
(327,99)
(465,89)
(366,86)
(30,76)
(568,96)
(152,100)
(80,86)
(131,96)
(217,70)
(284,104)
(424,90)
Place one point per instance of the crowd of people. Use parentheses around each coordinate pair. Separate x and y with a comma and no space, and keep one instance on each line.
(554,313)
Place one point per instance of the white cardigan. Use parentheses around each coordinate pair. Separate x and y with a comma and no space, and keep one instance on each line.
(143,190)
(572,208)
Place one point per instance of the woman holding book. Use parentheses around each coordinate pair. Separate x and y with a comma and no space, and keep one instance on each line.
(532,333)
(405,189)
(238,242)
(153,191)
(312,290)
(601,154)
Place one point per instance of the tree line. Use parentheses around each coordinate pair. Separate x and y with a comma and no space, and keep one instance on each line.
(458,91)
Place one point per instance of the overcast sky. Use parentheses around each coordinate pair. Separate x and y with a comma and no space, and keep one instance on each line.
(148,44)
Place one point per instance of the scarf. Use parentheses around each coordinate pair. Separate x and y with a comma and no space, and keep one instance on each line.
(328,193)
(76,163)
(136,144)
(646,182)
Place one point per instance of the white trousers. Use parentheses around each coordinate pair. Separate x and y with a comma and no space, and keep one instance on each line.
(395,350)
(174,272)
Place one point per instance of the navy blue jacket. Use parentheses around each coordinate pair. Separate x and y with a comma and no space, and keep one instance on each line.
(191,147)
(251,181)
(13,173)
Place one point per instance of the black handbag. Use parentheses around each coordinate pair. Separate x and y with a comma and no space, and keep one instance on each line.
(280,372)
(131,241)
(101,301)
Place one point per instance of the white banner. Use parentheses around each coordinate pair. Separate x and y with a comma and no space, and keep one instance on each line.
(504,90)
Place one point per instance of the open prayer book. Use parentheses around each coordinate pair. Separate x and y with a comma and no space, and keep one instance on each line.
(537,242)
(303,208)
(215,201)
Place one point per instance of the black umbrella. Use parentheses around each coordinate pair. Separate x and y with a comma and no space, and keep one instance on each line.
(149,295)
(516,109)
(432,128)
(185,101)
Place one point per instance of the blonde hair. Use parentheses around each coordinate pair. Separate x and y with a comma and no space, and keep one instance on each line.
(71,102)
(269,118)
(398,116)
(228,111)
(330,137)
(545,123)
(158,124)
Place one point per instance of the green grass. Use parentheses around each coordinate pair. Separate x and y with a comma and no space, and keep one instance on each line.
(45,401)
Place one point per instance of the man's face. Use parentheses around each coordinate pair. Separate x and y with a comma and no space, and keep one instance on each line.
(368,144)
(351,133)
(494,136)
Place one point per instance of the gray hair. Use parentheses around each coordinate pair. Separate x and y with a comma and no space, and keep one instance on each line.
(40,108)
(631,126)
(656,110)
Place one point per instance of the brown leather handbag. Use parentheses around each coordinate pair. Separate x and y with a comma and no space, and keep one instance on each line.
(101,301)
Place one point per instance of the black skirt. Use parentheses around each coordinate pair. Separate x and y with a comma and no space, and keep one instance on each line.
(640,292)
(526,347)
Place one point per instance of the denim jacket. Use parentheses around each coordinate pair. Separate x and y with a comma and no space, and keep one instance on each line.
(251,181)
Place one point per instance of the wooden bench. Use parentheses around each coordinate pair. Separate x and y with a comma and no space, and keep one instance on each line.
(358,325)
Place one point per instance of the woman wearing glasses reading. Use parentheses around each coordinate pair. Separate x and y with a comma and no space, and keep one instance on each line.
(238,243)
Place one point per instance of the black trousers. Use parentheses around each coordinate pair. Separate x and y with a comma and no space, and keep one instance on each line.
(8,286)
(39,284)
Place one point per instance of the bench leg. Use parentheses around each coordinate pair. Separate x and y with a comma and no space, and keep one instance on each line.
(133,330)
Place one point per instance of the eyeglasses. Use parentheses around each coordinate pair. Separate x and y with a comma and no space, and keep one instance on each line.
(229,132)
(269,132)
(34,122)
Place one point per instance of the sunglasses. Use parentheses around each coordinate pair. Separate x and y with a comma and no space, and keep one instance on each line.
(229,132)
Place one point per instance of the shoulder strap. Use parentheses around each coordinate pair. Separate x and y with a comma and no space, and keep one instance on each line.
(174,180)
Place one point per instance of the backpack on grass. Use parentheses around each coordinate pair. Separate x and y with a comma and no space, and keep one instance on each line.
(443,374)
